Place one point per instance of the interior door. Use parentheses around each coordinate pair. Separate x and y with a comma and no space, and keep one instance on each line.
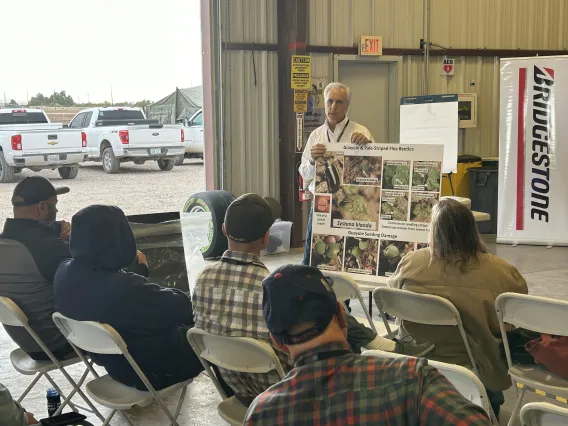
(369,83)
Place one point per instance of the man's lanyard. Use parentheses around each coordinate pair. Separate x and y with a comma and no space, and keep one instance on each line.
(242,263)
(340,135)
(332,354)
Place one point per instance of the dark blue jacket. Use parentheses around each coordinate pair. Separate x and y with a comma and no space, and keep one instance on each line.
(152,320)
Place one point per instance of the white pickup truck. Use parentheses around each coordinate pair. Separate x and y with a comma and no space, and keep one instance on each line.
(29,140)
(117,135)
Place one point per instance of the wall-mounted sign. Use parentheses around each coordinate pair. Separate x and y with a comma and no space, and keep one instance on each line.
(448,67)
(371,46)
(301,72)
(299,131)
(301,101)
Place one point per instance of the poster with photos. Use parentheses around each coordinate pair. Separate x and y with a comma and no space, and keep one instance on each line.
(372,206)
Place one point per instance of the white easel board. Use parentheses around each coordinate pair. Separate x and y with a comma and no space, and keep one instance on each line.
(432,120)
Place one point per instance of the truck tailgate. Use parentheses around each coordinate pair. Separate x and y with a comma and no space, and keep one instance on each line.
(56,141)
(158,137)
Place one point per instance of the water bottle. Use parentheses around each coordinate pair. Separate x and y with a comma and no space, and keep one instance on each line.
(53,401)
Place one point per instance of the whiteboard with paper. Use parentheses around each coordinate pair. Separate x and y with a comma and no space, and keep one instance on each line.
(432,120)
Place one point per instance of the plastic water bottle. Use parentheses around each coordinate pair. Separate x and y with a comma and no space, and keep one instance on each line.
(53,401)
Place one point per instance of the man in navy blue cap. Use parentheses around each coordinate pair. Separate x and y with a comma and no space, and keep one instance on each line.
(329,384)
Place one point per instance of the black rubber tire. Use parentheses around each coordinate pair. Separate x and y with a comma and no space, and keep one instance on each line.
(215,202)
(111,165)
(69,172)
(180,159)
(6,171)
(166,165)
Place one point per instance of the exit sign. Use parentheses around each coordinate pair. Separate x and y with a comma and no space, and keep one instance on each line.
(371,46)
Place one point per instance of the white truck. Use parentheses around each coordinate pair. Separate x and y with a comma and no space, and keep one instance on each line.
(117,135)
(193,128)
(29,140)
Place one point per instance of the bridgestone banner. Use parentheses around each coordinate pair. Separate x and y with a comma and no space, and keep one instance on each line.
(372,206)
(533,145)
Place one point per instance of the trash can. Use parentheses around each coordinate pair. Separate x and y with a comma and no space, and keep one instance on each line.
(159,237)
(460,181)
(483,184)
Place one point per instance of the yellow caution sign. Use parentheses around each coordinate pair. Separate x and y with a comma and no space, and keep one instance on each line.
(301,72)
(300,100)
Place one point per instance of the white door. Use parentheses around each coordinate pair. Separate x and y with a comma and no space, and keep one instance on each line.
(195,134)
(374,95)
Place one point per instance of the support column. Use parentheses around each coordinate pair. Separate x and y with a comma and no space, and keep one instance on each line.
(292,40)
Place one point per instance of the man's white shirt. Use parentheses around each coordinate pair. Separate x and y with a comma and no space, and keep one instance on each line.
(323,135)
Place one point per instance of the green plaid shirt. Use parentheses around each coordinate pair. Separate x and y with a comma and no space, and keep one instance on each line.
(332,386)
(227,301)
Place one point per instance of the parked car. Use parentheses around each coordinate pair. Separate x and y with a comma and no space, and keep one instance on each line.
(29,140)
(193,136)
(118,135)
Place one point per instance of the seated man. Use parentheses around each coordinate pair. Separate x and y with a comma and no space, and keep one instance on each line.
(34,225)
(153,321)
(331,385)
(12,413)
(228,294)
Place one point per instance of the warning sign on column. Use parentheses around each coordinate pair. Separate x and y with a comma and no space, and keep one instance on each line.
(301,72)
(300,100)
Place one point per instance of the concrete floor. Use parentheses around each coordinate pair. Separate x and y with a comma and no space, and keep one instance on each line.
(544,269)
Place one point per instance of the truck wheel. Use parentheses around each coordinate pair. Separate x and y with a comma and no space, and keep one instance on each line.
(110,163)
(216,203)
(179,160)
(70,172)
(6,171)
(166,165)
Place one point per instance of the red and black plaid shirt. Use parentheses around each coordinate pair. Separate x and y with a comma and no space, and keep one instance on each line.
(332,386)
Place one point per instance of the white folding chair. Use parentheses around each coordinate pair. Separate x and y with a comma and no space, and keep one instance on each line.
(12,315)
(96,338)
(346,288)
(540,314)
(240,354)
(543,414)
(463,380)
(421,309)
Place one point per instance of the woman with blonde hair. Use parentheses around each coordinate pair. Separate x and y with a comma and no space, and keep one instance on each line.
(459,267)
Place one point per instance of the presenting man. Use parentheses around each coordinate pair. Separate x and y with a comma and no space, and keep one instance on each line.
(329,384)
(337,128)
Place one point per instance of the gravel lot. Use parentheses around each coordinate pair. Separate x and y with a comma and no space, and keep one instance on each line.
(136,189)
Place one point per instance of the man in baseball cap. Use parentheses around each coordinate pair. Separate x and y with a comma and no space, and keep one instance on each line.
(329,383)
(248,219)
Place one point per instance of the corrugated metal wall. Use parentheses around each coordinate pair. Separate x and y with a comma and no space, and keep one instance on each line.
(250,98)
(491,24)
(251,112)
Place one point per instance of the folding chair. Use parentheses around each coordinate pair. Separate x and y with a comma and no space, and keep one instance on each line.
(421,309)
(346,288)
(12,315)
(463,380)
(240,354)
(542,315)
(93,337)
(543,414)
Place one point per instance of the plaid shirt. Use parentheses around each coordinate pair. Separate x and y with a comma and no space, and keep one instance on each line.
(227,301)
(332,386)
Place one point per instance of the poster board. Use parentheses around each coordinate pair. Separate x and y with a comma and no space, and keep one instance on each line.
(432,120)
(372,206)
(532,197)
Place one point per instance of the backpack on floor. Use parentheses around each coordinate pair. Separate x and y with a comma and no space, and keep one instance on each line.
(552,352)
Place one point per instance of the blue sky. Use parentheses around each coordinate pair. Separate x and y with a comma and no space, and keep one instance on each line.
(142,49)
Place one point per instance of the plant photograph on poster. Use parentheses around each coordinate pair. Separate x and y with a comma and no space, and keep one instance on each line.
(327,252)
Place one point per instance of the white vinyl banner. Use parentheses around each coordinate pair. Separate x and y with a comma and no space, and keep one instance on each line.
(533,184)
(372,206)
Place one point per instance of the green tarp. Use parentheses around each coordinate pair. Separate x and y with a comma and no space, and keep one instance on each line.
(182,103)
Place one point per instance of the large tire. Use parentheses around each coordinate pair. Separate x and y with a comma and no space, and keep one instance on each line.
(215,202)
(180,159)
(69,172)
(111,165)
(166,165)
(6,171)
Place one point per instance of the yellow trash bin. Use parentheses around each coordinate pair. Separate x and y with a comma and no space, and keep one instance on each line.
(459,180)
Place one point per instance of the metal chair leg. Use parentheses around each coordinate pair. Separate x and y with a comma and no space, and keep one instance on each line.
(30,387)
(517,407)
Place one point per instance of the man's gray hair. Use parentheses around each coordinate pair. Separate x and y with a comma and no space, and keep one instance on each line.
(338,86)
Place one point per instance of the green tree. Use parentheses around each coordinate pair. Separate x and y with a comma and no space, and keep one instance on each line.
(61,99)
(39,100)
(143,103)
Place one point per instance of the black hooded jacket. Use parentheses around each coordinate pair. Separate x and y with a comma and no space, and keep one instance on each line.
(93,286)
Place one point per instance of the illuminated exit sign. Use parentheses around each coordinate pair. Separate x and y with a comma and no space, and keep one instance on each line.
(371,46)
